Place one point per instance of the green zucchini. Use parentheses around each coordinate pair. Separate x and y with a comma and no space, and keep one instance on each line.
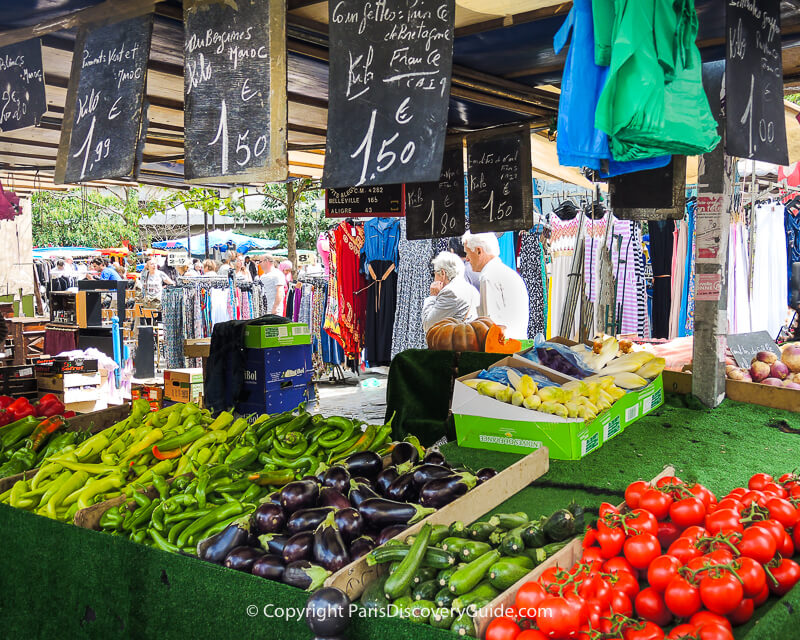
(483,592)
(403,604)
(578,513)
(439,533)
(512,542)
(373,596)
(393,566)
(554,548)
(444,575)
(522,561)
(434,557)
(392,543)
(538,555)
(444,597)
(497,537)
(463,626)
(424,574)
(559,526)
(504,574)
(533,536)
(400,580)
(474,549)
(458,529)
(509,521)
(454,545)
(442,618)
(421,611)
(468,576)
(425,590)
(480,531)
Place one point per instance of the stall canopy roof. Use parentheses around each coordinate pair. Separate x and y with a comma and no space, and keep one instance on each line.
(502,55)
(219,239)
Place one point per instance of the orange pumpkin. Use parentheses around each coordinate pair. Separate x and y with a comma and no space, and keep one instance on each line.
(496,341)
(452,335)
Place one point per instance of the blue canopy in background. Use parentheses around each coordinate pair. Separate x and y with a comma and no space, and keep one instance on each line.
(220,239)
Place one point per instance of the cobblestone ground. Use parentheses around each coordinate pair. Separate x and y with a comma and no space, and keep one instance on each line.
(354,398)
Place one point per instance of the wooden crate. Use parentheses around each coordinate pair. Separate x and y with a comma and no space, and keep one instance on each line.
(354,578)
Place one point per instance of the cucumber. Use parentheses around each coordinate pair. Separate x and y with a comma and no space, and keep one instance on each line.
(512,542)
(442,618)
(444,575)
(463,626)
(509,521)
(421,611)
(424,574)
(458,529)
(533,536)
(474,549)
(480,531)
(434,557)
(468,576)
(425,590)
(400,580)
(454,545)
(439,533)
(522,561)
(444,597)
(483,592)
(373,596)
(559,526)
(502,575)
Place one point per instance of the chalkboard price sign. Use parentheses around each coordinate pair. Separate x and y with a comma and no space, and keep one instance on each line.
(369,202)
(389,89)
(103,112)
(22,98)
(235,90)
(755,126)
(499,180)
(436,209)
(745,346)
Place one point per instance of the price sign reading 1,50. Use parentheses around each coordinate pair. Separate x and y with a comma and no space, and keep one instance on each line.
(386,154)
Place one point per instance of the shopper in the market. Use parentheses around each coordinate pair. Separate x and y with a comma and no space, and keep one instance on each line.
(224,268)
(152,283)
(242,272)
(274,285)
(251,267)
(451,295)
(104,270)
(504,296)
(209,267)
(457,247)
(195,270)
(286,268)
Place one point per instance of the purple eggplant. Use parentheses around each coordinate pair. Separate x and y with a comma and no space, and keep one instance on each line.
(361,480)
(435,457)
(487,473)
(349,522)
(274,498)
(304,575)
(307,519)
(267,518)
(337,478)
(360,492)
(404,452)
(361,547)
(442,491)
(269,567)
(216,547)
(329,497)
(330,550)
(387,533)
(379,512)
(273,543)
(302,494)
(424,473)
(367,463)
(385,478)
(243,558)
(403,488)
(299,547)
(328,613)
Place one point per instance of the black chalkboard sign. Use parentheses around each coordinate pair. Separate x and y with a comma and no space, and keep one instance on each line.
(499,181)
(22,98)
(389,90)
(744,346)
(655,194)
(755,126)
(103,112)
(436,209)
(235,90)
(365,202)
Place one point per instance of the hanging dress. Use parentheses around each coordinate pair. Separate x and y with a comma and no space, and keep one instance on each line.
(331,323)
(563,238)
(661,241)
(413,286)
(768,303)
(381,236)
(352,301)
(530,269)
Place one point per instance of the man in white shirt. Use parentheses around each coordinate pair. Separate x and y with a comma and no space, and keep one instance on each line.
(504,296)
(451,295)
(274,285)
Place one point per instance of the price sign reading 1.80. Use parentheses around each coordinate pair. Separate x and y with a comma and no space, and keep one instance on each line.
(437,209)
(389,88)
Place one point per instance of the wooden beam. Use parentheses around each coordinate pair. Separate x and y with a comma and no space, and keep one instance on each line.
(301,4)
(119,9)
(513,20)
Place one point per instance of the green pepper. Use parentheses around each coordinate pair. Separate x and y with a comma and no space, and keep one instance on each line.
(228,485)
(181,440)
(139,536)
(21,460)
(220,526)
(174,503)
(222,421)
(76,480)
(189,409)
(298,424)
(143,514)
(381,437)
(55,485)
(157,518)
(269,424)
(265,444)
(293,451)
(180,483)
(176,529)
(20,487)
(56,444)
(111,519)
(241,457)
(96,487)
(190,514)
(331,442)
(161,486)
(276,478)
(161,542)
(252,493)
(200,492)
(18,430)
(227,510)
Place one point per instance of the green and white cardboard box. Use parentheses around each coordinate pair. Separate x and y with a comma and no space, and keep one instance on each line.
(276,335)
(485,423)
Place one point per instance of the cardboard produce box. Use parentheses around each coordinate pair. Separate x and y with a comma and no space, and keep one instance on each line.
(485,423)
(183,385)
(276,335)
(153,395)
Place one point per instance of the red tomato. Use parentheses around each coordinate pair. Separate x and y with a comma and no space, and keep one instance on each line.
(528,598)
(730,503)
(641,549)
(593,613)
(656,502)
(723,521)
(757,543)
(682,597)
(621,603)
(707,617)
(759,481)
(695,533)
(795,491)
(761,598)
(668,481)
(796,539)
(597,589)
(683,632)
(698,564)
(787,548)
(703,493)
(643,631)
(668,532)
(684,550)
(783,511)
(650,606)
(593,557)
(776,490)
(742,613)
(625,582)
(722,555)
(787,573)
(754,579)
(607,508)
(759,497)
(502,629)
(531,634)
(642,522)
(615,565)
(661,571)
(589,538)
(721,594)
(610,541)
(579,604)
(563,618)
(688,512)
(774,527)
(737,493)
(553,576)
(713,631)
(634,491)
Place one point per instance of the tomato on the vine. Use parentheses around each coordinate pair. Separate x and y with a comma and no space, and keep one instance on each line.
(684,550)
(682,597)
(634,491)
(656,502)
(754,579)
(762,597)
(688,512)
(730,503)
(589,538)
(783,511)
(607,508)
(610,541)
(668,532)
(562,620)
(531,634)
(502,628)
(786,548)
(787,574)
(703,493)
(742,613)
(722,521)
(775,490)
(649,604)
(720,555)
(640,550)
(642,521)
(707,617)
(758,481)
(661,570)
(621,603)
(592,556)
(528,598)
(774,527)
(625,582)
(596,588)
(668,481)
(615,565)
(683,632)
(694,533)
(643,631)
(713,631)
(721,594)
(757,543)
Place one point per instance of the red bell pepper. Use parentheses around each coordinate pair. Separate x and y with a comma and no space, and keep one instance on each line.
(48,397)
(68,414)
(5,401)
(5,417)
(21,408)
(51,409)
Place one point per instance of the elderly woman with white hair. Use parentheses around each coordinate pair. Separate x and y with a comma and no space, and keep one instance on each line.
(451,295)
